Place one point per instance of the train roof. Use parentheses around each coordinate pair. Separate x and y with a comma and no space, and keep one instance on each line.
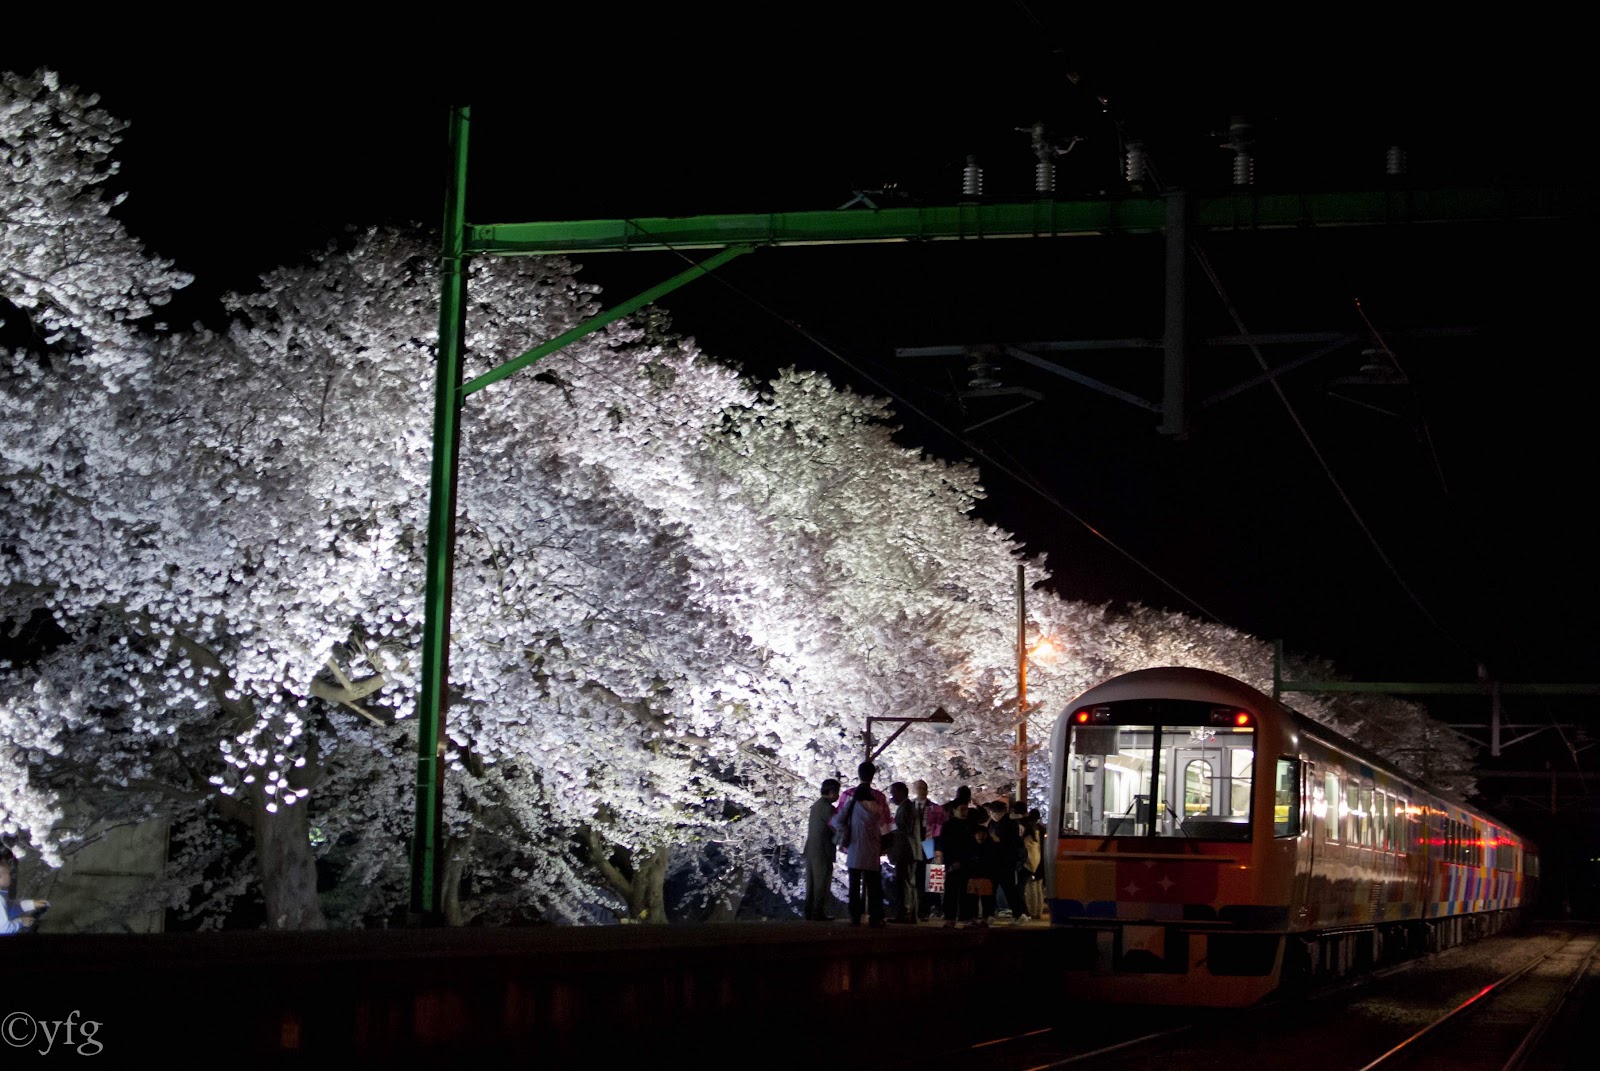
(1189,682)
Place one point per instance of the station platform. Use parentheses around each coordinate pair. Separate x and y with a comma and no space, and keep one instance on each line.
(595,996)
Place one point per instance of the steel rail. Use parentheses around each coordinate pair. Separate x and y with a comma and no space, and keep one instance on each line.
(1109,1049)
(1537,1031)
(1492,987)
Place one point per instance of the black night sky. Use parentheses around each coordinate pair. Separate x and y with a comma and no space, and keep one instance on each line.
(1474,477)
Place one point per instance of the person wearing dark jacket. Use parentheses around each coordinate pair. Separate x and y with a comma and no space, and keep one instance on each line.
(905,852)
(988,860)
(819,853)
(1007,855)
(955,844)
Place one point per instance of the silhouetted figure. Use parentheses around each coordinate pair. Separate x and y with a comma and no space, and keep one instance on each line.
(905,852)
(819,853)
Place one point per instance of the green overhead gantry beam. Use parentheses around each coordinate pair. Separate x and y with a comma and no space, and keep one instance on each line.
(1488,687)
(1177,213)
(1032,219)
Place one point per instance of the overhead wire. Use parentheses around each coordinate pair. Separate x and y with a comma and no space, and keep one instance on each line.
(1204,260)
(1206,265)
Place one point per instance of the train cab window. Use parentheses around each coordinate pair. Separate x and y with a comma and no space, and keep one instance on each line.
(1335,806)
(1286,799)
(1159,768)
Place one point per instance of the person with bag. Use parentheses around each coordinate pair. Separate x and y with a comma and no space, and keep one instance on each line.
(819,852)
(1033,859)
(860,826)
(983,860)
(931,815)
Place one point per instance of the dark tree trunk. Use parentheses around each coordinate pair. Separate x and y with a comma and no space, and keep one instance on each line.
(287,866)
(641,881)
(456,851)
(653,871)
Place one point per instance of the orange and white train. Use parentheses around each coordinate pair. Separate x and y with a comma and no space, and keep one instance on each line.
(1208,843)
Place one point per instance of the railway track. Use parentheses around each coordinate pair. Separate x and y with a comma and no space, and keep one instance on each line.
(1465,1010)
(1499,1027)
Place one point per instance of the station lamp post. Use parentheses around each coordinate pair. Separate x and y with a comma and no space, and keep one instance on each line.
(940,719)
(1021,794)
(1042,647)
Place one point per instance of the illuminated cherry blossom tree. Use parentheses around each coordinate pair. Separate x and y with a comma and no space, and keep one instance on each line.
(678,594)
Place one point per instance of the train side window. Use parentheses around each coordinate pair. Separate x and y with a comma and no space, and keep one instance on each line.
(1391,838)
(1335,806)
(1350,811)
(1402,808)
(1286,799)
(1366,817)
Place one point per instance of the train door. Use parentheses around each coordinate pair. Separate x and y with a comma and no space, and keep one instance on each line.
(1197,785)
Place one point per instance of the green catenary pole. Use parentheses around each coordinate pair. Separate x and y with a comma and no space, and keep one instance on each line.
(426,868)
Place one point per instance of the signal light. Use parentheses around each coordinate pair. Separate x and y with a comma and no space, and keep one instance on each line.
(1231,716)
(1082,716)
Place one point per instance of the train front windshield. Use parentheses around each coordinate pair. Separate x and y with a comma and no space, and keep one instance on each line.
(1159,768)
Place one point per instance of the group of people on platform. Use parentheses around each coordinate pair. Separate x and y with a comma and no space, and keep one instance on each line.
(987,852)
